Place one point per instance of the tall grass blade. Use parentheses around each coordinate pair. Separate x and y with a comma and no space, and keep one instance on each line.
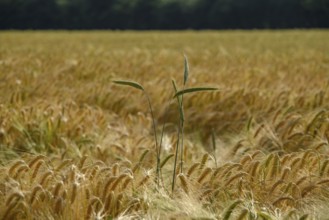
(143,156)
(196,89)
(230,209)
(157,149)
(181,121)
(129,83)
(179,100)
(304,217)
(176,90)
(249,123)
(166,160)
(264,216)
(186,69)
(213,140)
(175,163)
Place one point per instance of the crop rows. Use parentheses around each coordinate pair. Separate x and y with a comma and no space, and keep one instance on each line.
(76,146)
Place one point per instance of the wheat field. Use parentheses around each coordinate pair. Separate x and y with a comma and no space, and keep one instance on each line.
(74,145)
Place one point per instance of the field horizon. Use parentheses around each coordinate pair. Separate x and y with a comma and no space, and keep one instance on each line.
(74,145)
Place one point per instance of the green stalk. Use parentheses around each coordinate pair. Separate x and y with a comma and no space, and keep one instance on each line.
(175,162)
(161,138)
(182,120)
(180,123)
(140,87)
(155,140)
(213,139)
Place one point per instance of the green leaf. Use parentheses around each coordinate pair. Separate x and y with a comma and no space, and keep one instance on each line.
(264,216)
(249,123)
(176,90)
(179,100)
(166,160)
(196,89)
(143,156)
(304,217)
(129,83)
(186,69)
(213,139)
(230,209)
(174,85)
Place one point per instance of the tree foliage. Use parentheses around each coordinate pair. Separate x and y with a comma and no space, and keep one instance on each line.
(163,14)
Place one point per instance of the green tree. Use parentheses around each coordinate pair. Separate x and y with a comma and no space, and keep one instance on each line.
(28,14)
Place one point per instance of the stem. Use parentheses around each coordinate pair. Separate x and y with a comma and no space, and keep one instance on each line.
(159,158)
(213,139)
(182,148)
(155,139)
(161,138)
(176,157)
(182,131)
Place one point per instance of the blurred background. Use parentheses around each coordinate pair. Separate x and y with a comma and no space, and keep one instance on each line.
(163,14)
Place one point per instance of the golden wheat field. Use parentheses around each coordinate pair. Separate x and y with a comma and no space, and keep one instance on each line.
(75,145)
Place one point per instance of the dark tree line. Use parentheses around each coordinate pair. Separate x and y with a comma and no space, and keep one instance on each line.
(163,14)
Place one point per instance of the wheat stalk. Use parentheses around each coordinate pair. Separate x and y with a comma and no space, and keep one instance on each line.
(35,190)
(184,184)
